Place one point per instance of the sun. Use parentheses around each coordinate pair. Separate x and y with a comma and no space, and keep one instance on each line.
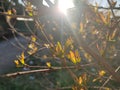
(63,5)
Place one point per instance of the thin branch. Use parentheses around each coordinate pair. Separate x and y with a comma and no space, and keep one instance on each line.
(18,42)
(46,69)
(109,78)
(107,8)
(64,88)
(100,60)
(38,23)
(16,16)
(111,8)
(25,72)
(11,42)
(70,67)
(97,87)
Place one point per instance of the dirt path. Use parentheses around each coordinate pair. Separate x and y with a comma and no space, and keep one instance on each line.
(8,53)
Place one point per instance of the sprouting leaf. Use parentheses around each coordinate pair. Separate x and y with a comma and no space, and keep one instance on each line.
(102,73)
(74,88)
(69,42)
(30,14)
(9,12)
(31,45)
(111,37)
(48,64)
(107,88)
(94,80)
(29,7)
(74,56)
(87,56)
(59,50)
(32,51)
(71,56)
(81,27)
(33,38)
(80,80)
(58,47)
(47,45)
(22,58)
(77,56)
(16,63)
(103,18)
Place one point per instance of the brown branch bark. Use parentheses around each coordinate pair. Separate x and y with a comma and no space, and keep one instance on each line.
(100,60)
(45,69)
(25,72)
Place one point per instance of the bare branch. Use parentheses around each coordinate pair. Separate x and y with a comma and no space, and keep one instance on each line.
(46,69)
(25,72)
(111,7)
(107,8)
(16,16)
(109,78)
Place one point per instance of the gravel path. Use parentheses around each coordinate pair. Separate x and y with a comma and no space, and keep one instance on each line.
(8,53)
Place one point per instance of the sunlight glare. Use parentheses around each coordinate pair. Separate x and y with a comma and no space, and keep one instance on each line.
(63,5)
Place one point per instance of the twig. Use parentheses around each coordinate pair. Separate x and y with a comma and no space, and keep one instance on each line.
(97,87)
(29,72)
(64,88)
(11,42)
(70,67)
(99,59)
(109,78)
(107,8)
(46,69)
(111,8)
(18,42)
(38,23)
(16,16)
(25,72)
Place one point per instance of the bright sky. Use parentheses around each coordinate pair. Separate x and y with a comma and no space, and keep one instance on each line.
(104,2)
(65,4)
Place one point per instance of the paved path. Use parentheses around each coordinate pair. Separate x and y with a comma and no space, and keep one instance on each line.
(8,53)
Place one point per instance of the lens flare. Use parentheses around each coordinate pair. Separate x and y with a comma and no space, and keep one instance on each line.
(63,5)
